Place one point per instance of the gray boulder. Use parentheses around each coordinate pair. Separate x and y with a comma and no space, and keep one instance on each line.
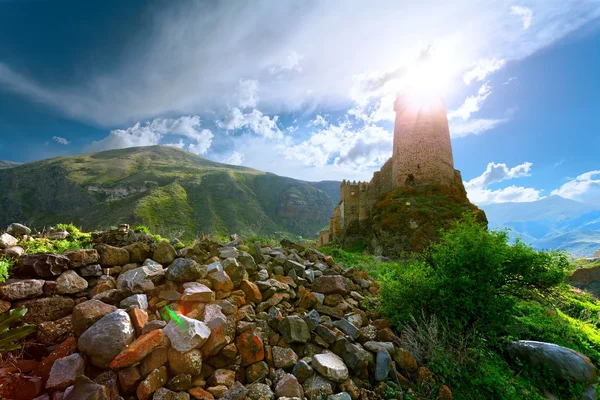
(65,371)
(185,270)
(137,300)
(70,283)
(187,333)
(140,280)
(330,366)
(294,330)
(17,289)
(16,229)
(104,340)
(7,240)
(564,363)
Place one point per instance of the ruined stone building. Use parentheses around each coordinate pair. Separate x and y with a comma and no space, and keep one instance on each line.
(422,155)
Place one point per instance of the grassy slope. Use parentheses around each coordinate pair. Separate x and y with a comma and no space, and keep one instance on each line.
(165,188)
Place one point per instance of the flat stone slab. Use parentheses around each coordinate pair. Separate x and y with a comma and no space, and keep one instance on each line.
(331,367)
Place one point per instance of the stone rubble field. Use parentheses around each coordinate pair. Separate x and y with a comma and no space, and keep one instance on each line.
(136,319)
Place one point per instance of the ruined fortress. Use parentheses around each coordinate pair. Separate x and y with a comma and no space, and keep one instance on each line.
(422,155)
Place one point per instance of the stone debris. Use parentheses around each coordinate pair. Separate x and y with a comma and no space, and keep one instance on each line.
(212,321)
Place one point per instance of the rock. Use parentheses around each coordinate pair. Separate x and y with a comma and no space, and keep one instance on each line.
(383,363)
(18,289)
(166,394)
(43,265)
(138,349)
(14,251)
(45,366)
(237,392)
(54,332)
(284,357)
(104,340)
(228,252)
(220,281)
(235,270)
(330,366)
(87,313)
(180,382)
(294,330)
(404,360)
(7,240)
(348,328)
(45,309)
(194,291)
(302,371)
(137,300)
(222,377)
(86,389)
(565,364)
(140,280)
(200,394)
(339,396)
(185,363)
(354,356)
(17,386)
(185,270)
(153,325)
(317,387)
(153,381)
(111,256)
(222,330)
(251,291)
(330,284)
(259,391)
(110,379)
(129,378)
(156,359)
(57,234)
(17,229)
(164,253)
(186,334)
(91,270)
(70,283)
(4,306)
(374,347)
(65,371)
(288,386)
(251,348)
(138,252)
(257,372)
(82,257)
(589,393)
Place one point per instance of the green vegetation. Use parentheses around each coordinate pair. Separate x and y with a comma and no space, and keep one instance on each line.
(9,336)
(141,229)
(5,266)
(460,302)
(172,192)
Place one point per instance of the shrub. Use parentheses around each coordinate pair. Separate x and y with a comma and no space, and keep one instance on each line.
(5,265)
(8,337)
(141,229)
(472,278)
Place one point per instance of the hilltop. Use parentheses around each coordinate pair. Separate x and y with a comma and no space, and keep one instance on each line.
(167,189)
(8,164)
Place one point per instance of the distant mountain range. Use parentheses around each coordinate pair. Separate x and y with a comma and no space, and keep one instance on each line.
(8,164)
(164,188)
(550,223)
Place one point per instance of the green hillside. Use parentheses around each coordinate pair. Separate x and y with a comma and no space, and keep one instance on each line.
(169,190)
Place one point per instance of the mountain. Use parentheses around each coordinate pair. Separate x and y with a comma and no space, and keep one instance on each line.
(164,188)
(332,188)
(8,164)
(550,223)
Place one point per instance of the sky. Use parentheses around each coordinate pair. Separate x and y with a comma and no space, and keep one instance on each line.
(305,88)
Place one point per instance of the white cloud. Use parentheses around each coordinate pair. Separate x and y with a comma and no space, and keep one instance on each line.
(152,132)
(483,69)
(235,158)
(191,64)
(585,187)
(289,62)
(179,145)
(247,93)
(472,104)
(473,127)
(319,120)
(479,192)
(60,140)
(366,147)
(255,121)
(525,13)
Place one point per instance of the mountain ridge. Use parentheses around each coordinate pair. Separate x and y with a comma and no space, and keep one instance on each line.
(164,188)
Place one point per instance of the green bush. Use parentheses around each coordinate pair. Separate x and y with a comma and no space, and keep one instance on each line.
(472,278)
(141,229)
(5,265)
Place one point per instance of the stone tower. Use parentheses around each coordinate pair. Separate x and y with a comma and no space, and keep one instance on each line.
(422,151)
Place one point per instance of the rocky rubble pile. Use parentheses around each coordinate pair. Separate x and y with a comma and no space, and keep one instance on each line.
(213,321)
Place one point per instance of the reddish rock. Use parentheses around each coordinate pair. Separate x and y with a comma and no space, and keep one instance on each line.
(24,366)
(16,386)
(251,291)
(65,349)
(386,335)
(156,359)
(45,309)
(425,376)
(200,394)
(222,330)
(50,288)
(155,380)
(138,319)
(185,363)
(218,391)
(404,360)
(4,306)
(87,313)
(137,350)
(222,377)
(251,348)
(445,393)
(129,378)
(53,332)
(330,284)
(220,281)
(308,301)
(111,256)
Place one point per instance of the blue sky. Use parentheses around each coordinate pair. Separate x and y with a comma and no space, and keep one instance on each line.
(305,88)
